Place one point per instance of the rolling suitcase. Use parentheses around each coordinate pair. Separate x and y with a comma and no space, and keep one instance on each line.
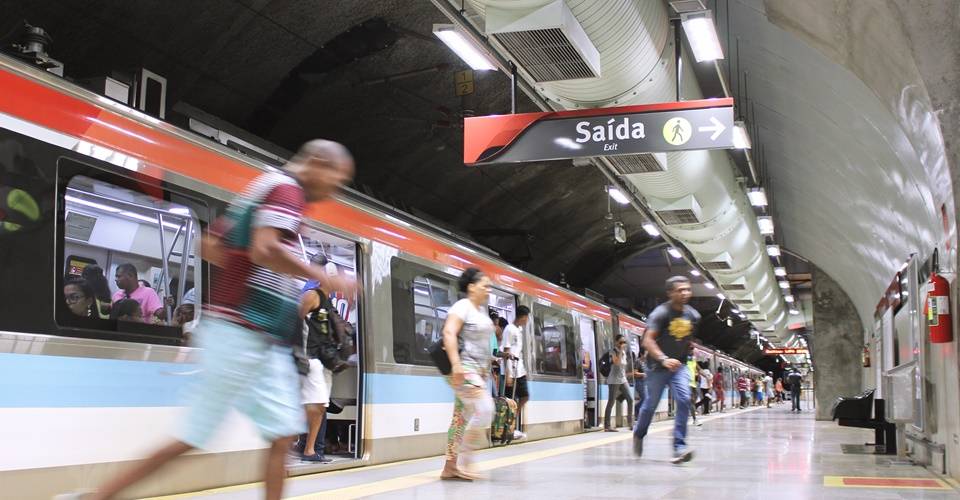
(504,417)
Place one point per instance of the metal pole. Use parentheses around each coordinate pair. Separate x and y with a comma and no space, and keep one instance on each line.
(163,266)
(513,88)
(677,55)
(176,236)
(185,261)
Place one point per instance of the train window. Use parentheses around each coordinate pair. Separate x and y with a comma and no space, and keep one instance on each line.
(130,262)
(504,303)
(427,295)
(555,349)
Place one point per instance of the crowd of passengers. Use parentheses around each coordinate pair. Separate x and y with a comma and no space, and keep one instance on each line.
(89,296)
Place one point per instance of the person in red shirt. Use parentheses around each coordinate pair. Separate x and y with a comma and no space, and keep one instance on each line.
(718,388)
(742,386)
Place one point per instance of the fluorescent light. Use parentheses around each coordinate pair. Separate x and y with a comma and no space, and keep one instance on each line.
(794,312)
(702,35)
(618,196)
(674,253)
(741,139)
(651,229)
(708,285)
(780,271)
(694,272)
(788,298)
(784,284)
(460,45)
(766,225)
(98,206)
(773,250)
(721,296)
(180,211)
(757,196)
(735,311)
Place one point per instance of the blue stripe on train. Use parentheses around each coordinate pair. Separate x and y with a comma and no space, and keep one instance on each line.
(35,381)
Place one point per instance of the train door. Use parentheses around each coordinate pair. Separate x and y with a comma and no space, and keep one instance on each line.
(589,345)
(340,430)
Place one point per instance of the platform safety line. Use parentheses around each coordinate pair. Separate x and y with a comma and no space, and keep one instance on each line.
(838,482)
(413,480)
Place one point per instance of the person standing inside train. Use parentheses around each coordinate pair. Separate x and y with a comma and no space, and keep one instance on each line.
(669,329)
(468,325)
(516,371)
(130,288)
(252,318)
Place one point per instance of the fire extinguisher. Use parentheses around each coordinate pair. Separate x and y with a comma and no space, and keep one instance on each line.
(937,308)
(866,357)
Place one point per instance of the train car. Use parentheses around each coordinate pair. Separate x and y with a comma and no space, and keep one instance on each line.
(91,186)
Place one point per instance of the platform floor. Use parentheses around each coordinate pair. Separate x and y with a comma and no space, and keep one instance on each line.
(754,453)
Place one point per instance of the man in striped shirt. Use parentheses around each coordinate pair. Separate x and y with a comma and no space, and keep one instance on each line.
(247,328)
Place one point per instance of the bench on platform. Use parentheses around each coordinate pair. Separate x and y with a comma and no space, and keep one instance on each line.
(866,412)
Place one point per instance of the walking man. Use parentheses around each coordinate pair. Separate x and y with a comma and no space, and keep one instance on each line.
(794,379)
(252,317)
(669,329)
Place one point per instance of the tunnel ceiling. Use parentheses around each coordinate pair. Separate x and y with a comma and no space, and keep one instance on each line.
(853,161)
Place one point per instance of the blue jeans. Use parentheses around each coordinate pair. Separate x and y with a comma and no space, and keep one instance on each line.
(640,387)
(679,382)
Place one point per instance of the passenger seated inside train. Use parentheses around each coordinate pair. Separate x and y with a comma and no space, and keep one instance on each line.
(97,279)
(80,299)
(127,310)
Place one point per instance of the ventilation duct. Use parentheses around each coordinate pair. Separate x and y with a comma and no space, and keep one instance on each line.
(548,43)
(683,211)
(739,284)
(638,164)
(697,195)
(717,263)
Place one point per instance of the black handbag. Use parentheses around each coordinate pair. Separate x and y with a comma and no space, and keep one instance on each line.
(439,356)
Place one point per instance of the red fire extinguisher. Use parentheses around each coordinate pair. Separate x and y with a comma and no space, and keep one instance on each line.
(865,358)
(937,308)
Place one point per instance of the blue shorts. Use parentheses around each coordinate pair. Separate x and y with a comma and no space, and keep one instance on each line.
(241,369)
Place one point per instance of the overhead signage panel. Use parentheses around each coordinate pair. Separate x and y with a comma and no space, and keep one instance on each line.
(626,130)
(784,350)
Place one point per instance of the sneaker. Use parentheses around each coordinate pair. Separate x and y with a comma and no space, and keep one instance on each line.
(637,446)
(316,457)
(682,455)
(517,435)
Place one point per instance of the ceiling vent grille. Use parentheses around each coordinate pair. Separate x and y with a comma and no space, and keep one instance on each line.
(79,226)
(736,285)
(636,164)
(686,210)
(750,311)
(549,43)
(717,263)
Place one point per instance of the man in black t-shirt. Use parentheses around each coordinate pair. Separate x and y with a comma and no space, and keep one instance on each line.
(669,329)
(794,380)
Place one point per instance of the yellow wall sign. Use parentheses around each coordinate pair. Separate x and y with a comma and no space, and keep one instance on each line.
(464,82)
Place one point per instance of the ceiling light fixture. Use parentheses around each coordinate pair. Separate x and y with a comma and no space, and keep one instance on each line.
(710,286)
(674,253)
(741,139)
(766,225)
(757,196)
(651,229)
(773,250)
(721,296)
(735,311)
(702,35)
(780,271)
(788,298)
(619,197)
(463,47)
(784,284)
(694,272)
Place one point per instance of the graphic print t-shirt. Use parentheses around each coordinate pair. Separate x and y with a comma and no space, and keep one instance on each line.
(247,294)
(475,336)
(674,329)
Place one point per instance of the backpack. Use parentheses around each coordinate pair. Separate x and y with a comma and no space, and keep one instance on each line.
(606,362)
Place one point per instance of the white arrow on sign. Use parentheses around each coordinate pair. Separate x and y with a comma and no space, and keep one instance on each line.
(717,128)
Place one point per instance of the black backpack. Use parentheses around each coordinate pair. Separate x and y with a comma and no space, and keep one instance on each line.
(606,362)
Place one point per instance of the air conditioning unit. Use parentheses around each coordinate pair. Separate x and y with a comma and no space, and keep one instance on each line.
(719,262)
(548,43)
(150,93)
(686,210)
(638,164)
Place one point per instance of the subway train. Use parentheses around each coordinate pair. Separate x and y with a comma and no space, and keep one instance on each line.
(88,185)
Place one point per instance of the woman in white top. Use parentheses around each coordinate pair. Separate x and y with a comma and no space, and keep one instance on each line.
(466,339)
(706,380)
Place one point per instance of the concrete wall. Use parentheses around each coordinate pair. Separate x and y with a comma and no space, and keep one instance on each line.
(836,345)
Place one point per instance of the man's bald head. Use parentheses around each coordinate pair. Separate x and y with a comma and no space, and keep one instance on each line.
(321,167)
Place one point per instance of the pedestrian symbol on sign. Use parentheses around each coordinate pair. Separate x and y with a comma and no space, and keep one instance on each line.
(677,131)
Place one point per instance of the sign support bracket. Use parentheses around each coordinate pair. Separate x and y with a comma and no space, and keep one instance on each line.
(513,88)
